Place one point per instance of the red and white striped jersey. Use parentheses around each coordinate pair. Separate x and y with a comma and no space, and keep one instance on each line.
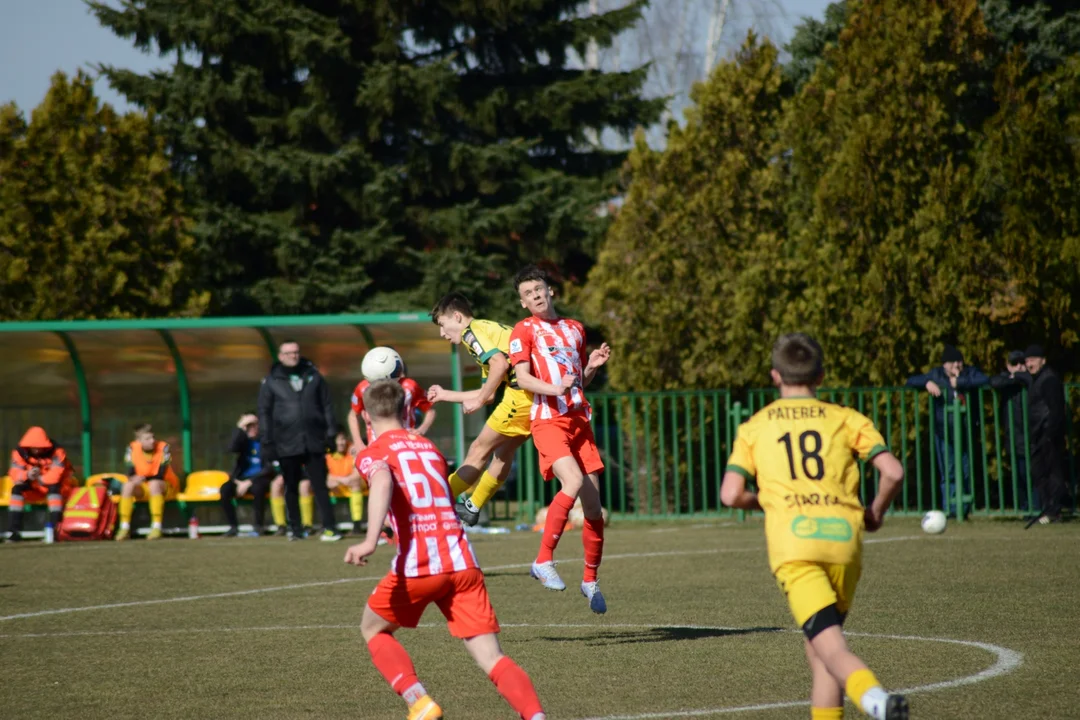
(430,539)
(415,401)
(554,349)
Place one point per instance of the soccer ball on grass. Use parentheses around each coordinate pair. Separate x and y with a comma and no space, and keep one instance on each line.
(934,522)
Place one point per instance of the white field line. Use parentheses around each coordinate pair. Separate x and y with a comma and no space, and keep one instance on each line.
(342,581)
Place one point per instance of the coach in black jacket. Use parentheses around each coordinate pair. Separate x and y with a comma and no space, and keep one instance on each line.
(1046,415)
(296,419)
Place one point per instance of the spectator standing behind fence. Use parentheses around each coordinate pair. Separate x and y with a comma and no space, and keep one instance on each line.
(249,474)
(1046,415)
(296,422)
(1011,384)
(951,381)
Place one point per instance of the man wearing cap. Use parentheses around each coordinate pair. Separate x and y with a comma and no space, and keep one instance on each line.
(1011,384)
(951,381)
(1046,415)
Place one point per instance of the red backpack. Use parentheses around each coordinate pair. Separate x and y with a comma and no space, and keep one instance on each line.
(90,514)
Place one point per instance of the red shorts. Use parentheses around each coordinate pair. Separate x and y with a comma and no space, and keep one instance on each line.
(461,596)
(564,436)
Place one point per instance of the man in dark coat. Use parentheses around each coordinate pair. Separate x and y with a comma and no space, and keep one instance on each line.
(1046,414)
(1011,384)
(946,383)
(296,422)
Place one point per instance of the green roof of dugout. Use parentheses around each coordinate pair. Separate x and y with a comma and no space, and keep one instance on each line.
(112,371)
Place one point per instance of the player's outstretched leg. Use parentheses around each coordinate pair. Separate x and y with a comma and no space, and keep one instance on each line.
(830,648)
(510,680)
(466,476)
(394,663)
(592,539)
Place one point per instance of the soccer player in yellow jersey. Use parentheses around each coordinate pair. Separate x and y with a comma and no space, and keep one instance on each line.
(802,452)
(509,425)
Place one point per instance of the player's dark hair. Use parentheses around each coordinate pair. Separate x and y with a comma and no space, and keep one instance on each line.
(143,428)
(798,359)
(385,399)
(530,273)
(287,341)
(449,303)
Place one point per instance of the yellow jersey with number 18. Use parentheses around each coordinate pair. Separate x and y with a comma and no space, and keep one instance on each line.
(803,453)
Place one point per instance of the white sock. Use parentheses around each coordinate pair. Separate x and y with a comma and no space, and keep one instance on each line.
(873,702)
(155,526)
(125,526)
(539,716)
(413,693)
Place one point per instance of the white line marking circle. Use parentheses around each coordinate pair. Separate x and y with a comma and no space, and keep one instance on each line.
(1006,660)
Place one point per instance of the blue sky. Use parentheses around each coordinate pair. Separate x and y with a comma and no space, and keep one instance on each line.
(39,37)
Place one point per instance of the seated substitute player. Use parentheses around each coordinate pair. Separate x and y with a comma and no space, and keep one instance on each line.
(342,473)
(434,562)
(803,453)
(508,427)
(39,471)
(379,364)
(546,353)
(148,464)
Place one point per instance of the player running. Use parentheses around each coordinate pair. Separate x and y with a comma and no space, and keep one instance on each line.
(546,353)
(381,363)
(507,428)
(434,562)
(802,452)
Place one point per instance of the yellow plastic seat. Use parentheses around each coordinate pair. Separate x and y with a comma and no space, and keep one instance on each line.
(204,486)
(5,490)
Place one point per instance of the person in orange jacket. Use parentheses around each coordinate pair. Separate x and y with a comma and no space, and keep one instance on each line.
(342,472)
(39,471)
(149,464)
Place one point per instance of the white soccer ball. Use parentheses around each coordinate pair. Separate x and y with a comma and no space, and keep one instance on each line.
(382,363)
(934,522)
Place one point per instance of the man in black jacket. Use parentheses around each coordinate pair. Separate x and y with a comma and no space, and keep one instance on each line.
(296,419)
(250,474)
(1011,384)
(1046,414)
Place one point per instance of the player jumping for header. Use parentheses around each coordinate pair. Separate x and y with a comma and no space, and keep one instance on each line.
(546,352)
(802,452)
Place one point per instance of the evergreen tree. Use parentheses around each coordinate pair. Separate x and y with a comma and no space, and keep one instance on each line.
(92,223)
(685,288)
(333,150)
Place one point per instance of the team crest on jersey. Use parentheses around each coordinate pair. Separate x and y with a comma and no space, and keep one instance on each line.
(515,345)
(364,465)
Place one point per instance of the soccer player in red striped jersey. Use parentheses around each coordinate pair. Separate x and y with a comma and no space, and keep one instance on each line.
(434,562)
(546,352)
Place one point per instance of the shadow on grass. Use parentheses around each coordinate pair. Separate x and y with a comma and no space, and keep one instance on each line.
(652,635)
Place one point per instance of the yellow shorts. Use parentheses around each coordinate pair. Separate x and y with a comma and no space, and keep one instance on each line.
(511,415)
(813,586)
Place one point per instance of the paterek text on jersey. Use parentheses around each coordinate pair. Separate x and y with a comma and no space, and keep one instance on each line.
(415,400)
(554,349)
(430,539)
(804,456)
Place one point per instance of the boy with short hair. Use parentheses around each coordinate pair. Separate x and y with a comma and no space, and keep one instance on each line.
(148,466)
(802,451)
(509,425)
(434,562)
(547,352)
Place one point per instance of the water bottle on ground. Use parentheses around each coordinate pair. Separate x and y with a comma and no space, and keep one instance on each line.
(50,534)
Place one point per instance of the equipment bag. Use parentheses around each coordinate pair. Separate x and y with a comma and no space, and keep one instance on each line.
(90,514)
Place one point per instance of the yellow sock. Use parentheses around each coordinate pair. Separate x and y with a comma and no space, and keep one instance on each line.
(457,485)
(487,487)
(858,683)
(277,509)
(817,713)
(127,507)
(307,510)
(356,506)
(157,510)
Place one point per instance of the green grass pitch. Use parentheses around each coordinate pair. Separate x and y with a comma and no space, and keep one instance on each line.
(696,627)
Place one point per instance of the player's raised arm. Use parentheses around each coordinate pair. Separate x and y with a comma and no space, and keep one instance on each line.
(597,358)
(527,381)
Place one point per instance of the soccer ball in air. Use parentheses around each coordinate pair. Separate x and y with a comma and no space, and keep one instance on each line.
(382,363)
(934,522)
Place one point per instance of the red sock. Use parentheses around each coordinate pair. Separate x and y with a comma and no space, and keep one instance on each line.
(558,512)
(515,686)
(393,662)
(592,538)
